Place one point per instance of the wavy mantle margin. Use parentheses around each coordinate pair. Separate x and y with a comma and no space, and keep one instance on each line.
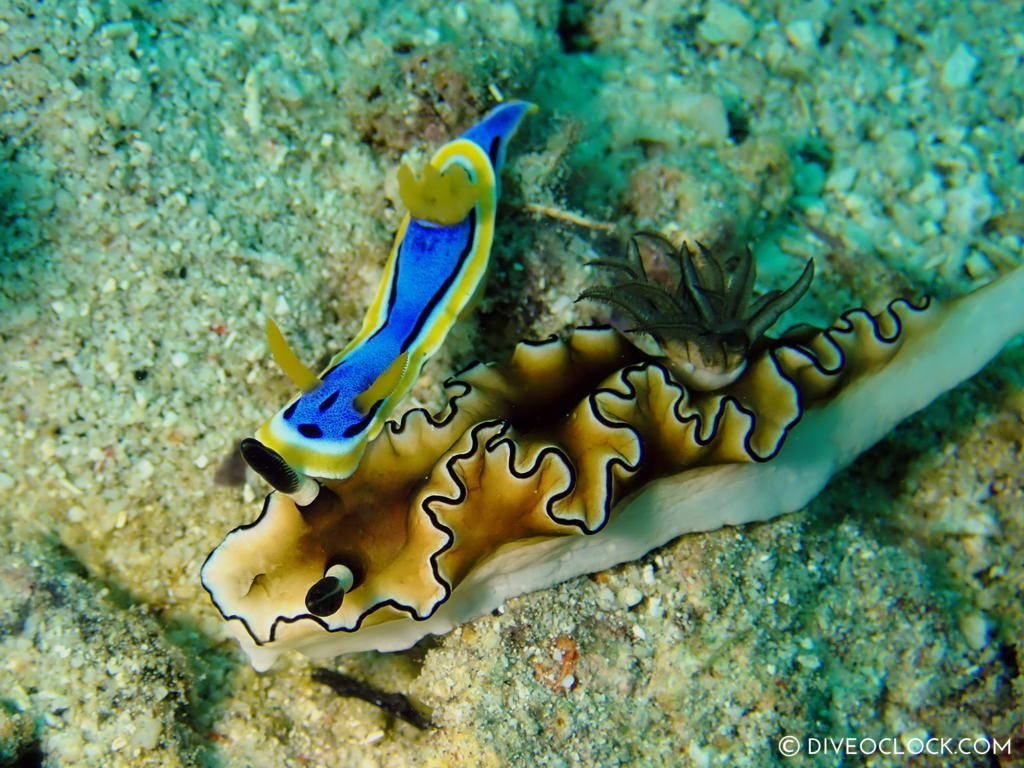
(848,397)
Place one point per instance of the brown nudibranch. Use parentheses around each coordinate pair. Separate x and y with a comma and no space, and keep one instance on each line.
(577,454)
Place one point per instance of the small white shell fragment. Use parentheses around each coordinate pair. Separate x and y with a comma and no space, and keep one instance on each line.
(629,596)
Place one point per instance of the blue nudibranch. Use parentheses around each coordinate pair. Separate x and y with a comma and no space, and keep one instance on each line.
(434,273)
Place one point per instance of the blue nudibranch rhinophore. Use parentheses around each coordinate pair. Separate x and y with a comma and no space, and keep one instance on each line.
(434,273)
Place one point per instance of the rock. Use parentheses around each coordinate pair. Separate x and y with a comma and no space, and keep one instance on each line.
(958,71)
(725,23)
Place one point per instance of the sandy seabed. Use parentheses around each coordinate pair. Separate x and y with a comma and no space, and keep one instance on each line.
(173,174)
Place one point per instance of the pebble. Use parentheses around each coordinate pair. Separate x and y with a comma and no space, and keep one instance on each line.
(604,597)
(968,207)
(801,34)
(958,71)
(145,732)
(247,24)
(76,514)
(841,179)
(629,596)
(975,629)
(705,113)
(725,23)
